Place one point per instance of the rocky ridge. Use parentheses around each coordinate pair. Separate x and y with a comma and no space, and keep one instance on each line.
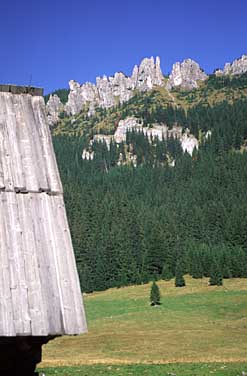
(119,88)
(186,75)
(238,66)
(110,91)
(54,107)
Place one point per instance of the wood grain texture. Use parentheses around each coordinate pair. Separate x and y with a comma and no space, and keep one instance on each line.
(27,159)
(39,285)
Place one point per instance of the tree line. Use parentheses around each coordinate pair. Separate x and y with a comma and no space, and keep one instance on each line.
(132,225)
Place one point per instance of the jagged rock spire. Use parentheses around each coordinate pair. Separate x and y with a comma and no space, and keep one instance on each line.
(186,75)
(54,107)
(119,88)
(238,66)
(148,74)
(109,91)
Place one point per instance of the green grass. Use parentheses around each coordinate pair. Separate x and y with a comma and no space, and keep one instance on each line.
(197,369)
(197,323)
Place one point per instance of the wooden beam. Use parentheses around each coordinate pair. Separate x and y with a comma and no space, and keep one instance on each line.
(15,89)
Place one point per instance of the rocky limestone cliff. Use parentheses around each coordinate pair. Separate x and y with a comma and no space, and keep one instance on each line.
(238,66)
(79,96)
(188,141)
(54,107)
(148,74)
(119,88)
(186,75)
(108,91)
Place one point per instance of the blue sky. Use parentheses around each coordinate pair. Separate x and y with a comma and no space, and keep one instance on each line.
(49,42)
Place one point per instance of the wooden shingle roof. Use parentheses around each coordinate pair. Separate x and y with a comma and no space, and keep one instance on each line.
(27,161)
(39,286)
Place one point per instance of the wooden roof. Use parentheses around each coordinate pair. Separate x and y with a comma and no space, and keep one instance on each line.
(39,286)
(27,161)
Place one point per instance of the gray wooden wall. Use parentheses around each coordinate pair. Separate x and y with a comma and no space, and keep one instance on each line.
(39,286)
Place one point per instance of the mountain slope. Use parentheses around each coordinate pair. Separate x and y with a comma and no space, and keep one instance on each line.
(101,106)
(174,206)
(143,219)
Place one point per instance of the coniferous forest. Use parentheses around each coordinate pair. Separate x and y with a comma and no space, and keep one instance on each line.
(131,224)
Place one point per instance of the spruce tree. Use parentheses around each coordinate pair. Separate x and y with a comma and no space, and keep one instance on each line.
(179,275)
(154,295)
(97,212)
(198,269)
(166,273)
(215,274)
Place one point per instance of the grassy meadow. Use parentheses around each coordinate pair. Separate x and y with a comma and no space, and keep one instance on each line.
(176,369)
(197,330)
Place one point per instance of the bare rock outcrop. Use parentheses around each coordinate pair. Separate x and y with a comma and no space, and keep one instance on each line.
(186,75)
(148,74)
(109,91)
(128,124)
(188,141)
(54,107)
(79,96)
(238,66)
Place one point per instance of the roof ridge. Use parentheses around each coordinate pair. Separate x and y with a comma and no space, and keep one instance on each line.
(16,89)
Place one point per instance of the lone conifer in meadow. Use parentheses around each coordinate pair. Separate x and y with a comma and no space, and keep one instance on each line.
(215,275)
(179,275)
(154,295)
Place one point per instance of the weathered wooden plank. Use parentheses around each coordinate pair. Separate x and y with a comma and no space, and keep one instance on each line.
(48,270)
(12,104)
(6,311)
(31,168)
(33,140)
(22,155)
(54,262)
(65,281)
(8,152)
(2,184)
(18,285)
(2,121)
(48,152)
(38,316)
(39,285)
(25,149)
(66,256)
(5,156)
(43,282)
